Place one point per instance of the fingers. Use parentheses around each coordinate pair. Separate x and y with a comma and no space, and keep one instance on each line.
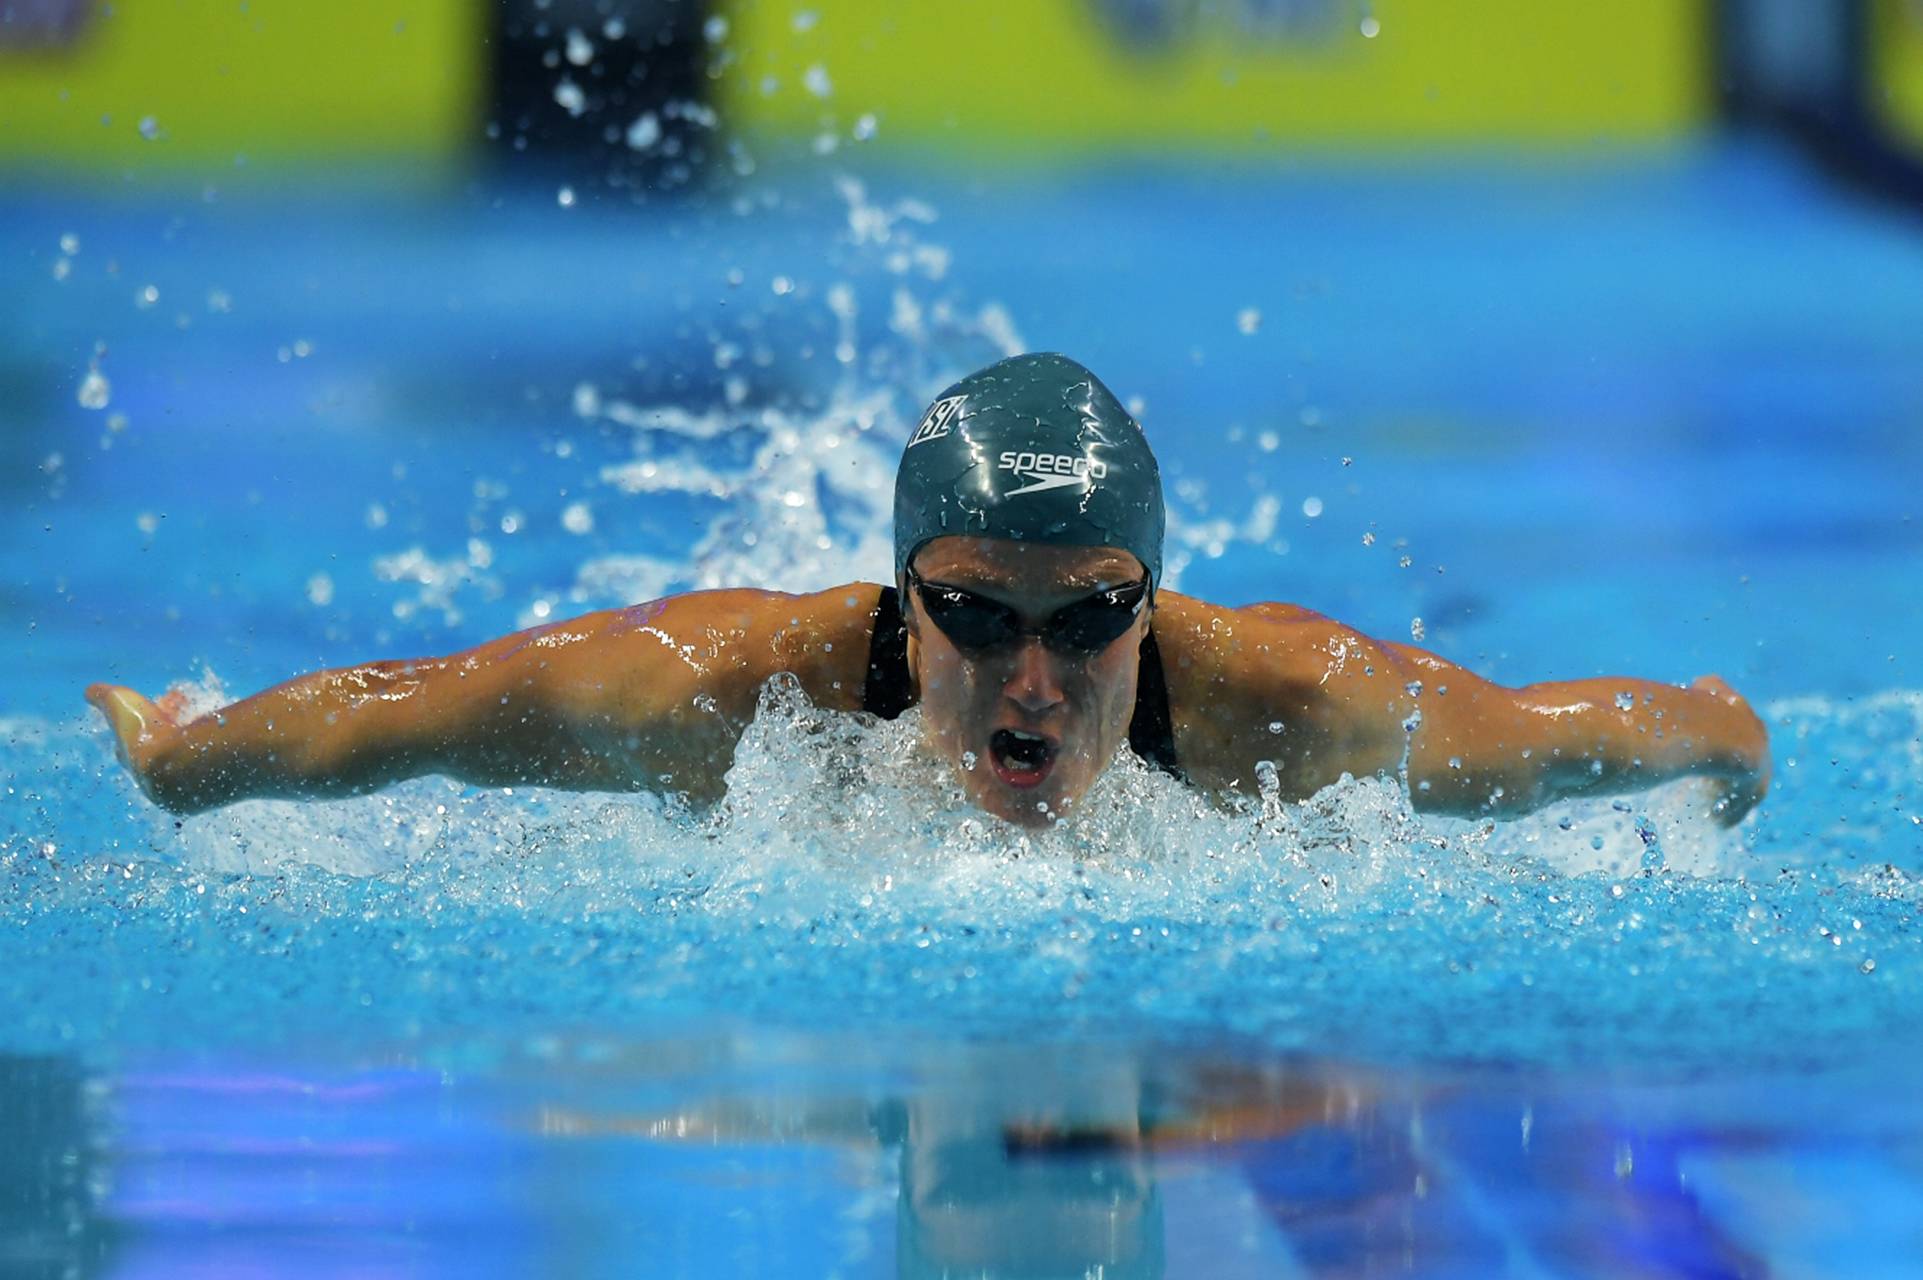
(133,719)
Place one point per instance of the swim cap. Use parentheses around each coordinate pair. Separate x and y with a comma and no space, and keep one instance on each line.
(1034,449)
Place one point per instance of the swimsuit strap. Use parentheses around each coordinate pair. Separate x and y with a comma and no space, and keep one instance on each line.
(886,693)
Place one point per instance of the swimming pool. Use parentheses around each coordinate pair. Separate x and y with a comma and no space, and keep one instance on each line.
(1649,414)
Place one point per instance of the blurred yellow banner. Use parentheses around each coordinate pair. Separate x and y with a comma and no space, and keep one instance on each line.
(161,83)
(1896,67)
(1053,75)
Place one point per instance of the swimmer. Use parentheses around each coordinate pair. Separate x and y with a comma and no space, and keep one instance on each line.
(1027,621)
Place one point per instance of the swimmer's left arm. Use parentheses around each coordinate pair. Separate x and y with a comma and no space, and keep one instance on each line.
(1481,748)
(1318,699)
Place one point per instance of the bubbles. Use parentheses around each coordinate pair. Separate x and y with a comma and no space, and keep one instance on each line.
(320,590)
(146,296)
(1370,27)
(644,132)
(565,197)
(865,126)
(571,97)
(579,50)
(95,391)
(815,80)
(69,243)
(1248,320)
(577,518)
(1312,507)
(715,29)
(150,129)
(1417,631)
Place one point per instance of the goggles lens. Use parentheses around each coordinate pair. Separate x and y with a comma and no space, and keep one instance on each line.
(978,625)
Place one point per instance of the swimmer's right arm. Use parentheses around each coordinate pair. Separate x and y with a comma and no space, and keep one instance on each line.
(653,697)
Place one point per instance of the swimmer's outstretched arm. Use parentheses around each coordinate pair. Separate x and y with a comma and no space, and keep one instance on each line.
(652,697)
(1318,699)
(1485,749)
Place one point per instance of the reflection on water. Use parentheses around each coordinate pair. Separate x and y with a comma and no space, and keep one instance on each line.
(744,1153)
(51,1172)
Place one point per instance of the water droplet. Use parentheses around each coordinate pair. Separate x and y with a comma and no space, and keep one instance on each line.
(1868,966)
(1565,822)
(1625,701)
(376,517)
(1275,726)
(968,761)
(146,297)
(782,286)
(147,522)
(320,590)
(1368,539)
(715,29)
(219,302)
(149,128)
(865,126)
(1455,762)
(644,132)
(62,267)
(1416,630)
(614,28)
(565,197)
(805,20)
(95,390)
(116,422)
(1615,890)
(69,243)
(577,518)
(1403,562)
(1371,28)
(1248,320)
(580,49)
(815,80)
(571,97)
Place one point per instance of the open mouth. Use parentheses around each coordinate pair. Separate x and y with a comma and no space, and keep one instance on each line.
(1021,759)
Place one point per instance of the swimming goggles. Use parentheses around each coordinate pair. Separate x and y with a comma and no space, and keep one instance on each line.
(978,625)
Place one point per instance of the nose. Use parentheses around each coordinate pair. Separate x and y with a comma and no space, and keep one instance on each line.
(1034,685)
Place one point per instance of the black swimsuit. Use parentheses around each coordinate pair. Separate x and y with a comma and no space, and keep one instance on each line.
(887,694)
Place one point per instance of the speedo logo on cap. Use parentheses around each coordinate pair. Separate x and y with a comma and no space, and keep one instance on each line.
(938,420)
(1050,470)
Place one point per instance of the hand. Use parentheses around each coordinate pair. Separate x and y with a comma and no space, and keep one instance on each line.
(1743,752)
(144,731)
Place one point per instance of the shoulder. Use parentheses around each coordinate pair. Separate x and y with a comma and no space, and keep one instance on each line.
(718,642)
(1276,682)
(1268,642)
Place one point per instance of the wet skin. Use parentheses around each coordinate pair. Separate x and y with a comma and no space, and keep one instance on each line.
(655,697)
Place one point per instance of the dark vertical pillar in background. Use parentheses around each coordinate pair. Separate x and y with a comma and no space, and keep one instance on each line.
(1802,68)
(608,96)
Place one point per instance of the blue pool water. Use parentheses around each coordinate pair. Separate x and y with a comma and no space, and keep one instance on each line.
(1641,414)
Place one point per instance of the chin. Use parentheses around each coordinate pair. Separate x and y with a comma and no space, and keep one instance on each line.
(1019,806)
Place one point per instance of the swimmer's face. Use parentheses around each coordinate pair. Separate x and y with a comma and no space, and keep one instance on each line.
(1028,726)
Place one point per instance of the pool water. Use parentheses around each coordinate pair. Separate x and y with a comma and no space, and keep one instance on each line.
(1651,414)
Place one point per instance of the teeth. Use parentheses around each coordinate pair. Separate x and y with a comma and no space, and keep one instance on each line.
(1026,737)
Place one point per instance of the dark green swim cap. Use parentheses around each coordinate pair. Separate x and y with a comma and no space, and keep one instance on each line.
(1034,449)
